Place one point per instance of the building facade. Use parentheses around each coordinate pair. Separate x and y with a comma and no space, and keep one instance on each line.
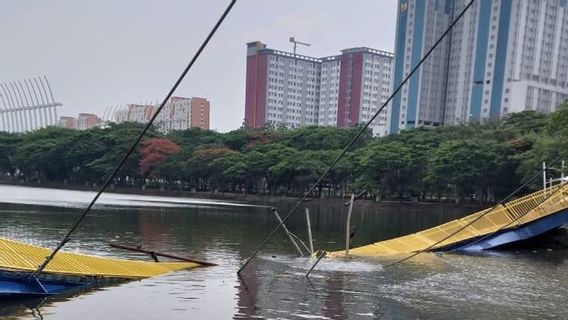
(503,56)
(83,122)
(200,113)
(281,88)
(180,113)
(295,90)
(66,122)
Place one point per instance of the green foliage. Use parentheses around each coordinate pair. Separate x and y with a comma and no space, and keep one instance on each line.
(526,122)
(558,123)
(8,145)
(477,162)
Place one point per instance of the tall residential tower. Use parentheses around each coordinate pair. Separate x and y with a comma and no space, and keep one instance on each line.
(295,90)
(503,56)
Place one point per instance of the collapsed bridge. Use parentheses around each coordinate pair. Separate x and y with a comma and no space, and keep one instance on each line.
(510,222)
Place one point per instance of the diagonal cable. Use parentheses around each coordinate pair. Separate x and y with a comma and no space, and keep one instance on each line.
(359,134)
(133,147)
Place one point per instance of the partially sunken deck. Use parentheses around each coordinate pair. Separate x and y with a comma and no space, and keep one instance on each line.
(17,256)
(529,208)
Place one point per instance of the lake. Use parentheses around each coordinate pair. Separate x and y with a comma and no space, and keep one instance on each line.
(526,284)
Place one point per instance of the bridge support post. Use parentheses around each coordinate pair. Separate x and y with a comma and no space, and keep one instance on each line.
(288,233)
(544,177)
(309,231)
(348,227)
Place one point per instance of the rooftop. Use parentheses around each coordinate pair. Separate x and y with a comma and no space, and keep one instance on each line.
(260,47)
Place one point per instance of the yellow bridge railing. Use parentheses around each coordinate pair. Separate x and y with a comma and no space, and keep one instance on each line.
(17,256)
(508,215)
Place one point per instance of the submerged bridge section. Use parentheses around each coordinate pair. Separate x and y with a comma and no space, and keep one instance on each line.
(27,105)
(515,220)
(21,257)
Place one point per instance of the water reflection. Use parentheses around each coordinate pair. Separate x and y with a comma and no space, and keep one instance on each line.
(524,284)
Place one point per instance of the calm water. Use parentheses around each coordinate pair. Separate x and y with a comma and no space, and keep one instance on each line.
(514,285)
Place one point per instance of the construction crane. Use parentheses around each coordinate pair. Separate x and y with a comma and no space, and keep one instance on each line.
(293,40)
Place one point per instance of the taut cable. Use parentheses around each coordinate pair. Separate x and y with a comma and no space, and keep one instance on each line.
(135,144)
(359,134)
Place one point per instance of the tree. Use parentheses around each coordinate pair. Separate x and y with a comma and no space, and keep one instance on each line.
(39,154)
(558,122)
(525,122)
(8,144)
(391,166)
(469,167)
(207,165)
(118,139)
(153,152)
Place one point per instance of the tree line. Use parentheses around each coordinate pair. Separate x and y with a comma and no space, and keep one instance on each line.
(477,162)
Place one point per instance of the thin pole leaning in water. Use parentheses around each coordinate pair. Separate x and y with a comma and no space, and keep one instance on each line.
(348,227)
(155,254)
(135,144)
(562,173)
(322,254)
(357,136)
(544,176)
(288,233)
(309,231)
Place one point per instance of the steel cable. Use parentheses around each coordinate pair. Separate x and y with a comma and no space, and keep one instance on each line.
(359,134)
(135,144)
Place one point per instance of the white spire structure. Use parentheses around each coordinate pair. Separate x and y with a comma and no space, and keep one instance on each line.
(27,105)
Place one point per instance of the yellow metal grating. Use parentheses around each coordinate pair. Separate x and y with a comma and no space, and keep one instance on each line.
(528,208)
(24,257)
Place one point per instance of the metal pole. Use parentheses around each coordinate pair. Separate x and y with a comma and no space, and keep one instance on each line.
(309,231)
(287,232)
(358,135)
(562,173)
(544,175)
(323,254)
(348,231)
(161,254)
(135,144)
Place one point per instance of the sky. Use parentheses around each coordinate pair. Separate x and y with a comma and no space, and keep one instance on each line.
(105,53)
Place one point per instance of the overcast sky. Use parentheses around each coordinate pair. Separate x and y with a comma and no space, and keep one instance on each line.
(102,53)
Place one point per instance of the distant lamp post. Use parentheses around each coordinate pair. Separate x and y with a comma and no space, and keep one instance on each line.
(293,40)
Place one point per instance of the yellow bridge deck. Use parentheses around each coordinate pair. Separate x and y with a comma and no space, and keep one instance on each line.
(17,256)
(509,215)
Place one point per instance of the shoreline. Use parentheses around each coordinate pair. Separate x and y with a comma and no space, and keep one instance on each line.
(252,198)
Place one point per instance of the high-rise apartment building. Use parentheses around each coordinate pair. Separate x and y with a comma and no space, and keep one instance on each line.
(200,111)
(83,122)
(179,113)
(281,88)
(503,56)
(295,90)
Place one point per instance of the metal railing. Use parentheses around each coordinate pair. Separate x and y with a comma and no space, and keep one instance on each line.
(514,213)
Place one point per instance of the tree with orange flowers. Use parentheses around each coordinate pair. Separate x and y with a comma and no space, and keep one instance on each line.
(153,152)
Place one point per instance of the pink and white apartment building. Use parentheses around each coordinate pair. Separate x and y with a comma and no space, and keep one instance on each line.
(284,89)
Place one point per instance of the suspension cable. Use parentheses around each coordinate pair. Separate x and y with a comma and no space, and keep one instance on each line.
(135,144)
(359,134)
